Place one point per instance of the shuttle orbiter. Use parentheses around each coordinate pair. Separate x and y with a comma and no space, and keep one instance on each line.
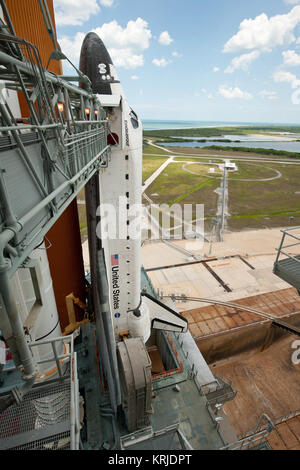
(133,313)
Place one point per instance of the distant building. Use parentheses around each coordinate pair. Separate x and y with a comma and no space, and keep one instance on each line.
(228,165)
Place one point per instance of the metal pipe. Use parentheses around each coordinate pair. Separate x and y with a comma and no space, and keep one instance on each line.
(106,347)
(29,69)
(22,149)
(9,232)
(24,354)
(9,216)
(108,323)
(5,237)
(16,395)
(289,256)
(30,126)
(55,193)
(6,330)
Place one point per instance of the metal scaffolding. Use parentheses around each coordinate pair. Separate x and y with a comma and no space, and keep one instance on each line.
(47,155)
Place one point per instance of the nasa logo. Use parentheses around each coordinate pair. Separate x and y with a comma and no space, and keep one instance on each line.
(117,315)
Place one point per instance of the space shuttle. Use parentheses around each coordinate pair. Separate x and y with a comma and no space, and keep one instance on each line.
(134,313)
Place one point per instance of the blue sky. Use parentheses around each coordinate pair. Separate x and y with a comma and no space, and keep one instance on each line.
(209,60)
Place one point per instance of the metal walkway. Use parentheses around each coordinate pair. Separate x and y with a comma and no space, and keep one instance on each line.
(47,158)
(48,417)
(287,265)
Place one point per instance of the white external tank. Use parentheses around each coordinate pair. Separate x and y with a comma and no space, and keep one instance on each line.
(37,307)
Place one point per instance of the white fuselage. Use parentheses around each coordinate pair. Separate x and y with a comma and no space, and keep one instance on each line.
(120,205)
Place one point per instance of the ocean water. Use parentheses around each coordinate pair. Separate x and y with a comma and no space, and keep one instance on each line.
(251,141)
(149,125)
(287,146)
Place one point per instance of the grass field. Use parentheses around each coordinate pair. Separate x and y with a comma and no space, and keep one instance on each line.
(220,131)
(266,204)
(252,204)
(175,186)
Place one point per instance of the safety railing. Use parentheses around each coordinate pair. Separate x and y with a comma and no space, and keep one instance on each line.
(48,417)
(255,439)
(52,148)
(287,263)
(282,248)
(170,438)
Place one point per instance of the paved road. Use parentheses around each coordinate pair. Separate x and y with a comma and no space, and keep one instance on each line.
(156,173)
(184,167)
(288,161)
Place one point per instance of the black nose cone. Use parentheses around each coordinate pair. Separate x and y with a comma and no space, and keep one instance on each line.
(95,63)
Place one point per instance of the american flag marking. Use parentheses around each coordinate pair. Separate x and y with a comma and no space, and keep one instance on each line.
(114,260)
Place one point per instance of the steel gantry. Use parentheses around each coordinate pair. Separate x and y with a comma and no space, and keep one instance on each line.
(47,155)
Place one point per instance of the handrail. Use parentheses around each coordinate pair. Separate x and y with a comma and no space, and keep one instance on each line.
(49,126)
(282,247)
(259,434)
(286,230)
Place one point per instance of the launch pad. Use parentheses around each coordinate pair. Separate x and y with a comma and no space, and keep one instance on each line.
(130,376)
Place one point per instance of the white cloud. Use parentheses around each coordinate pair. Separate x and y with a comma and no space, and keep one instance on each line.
(126,58)
(165,38)
(107,3)
(134,77)
(125,45)
(176,54)
(216,69)
(242,62)
(135,35)
(292,2)
(286,77)
(291,58)
(72,46)
(161,62)
(75,12)
(263,33)
(234,93)
(268,94)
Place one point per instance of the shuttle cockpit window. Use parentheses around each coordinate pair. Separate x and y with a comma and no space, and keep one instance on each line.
(134,119)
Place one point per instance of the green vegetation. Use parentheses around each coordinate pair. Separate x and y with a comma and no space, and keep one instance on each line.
(281,153)
(169,139)
(219,131)
(252,204)
(150,150)
(245,171)
(198,159)
(150,165)
(175,186)
(265,204)
(191,191)
(152,162)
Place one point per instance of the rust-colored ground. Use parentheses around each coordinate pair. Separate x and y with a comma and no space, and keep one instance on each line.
(216,319)
(286,436)
(267,382)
